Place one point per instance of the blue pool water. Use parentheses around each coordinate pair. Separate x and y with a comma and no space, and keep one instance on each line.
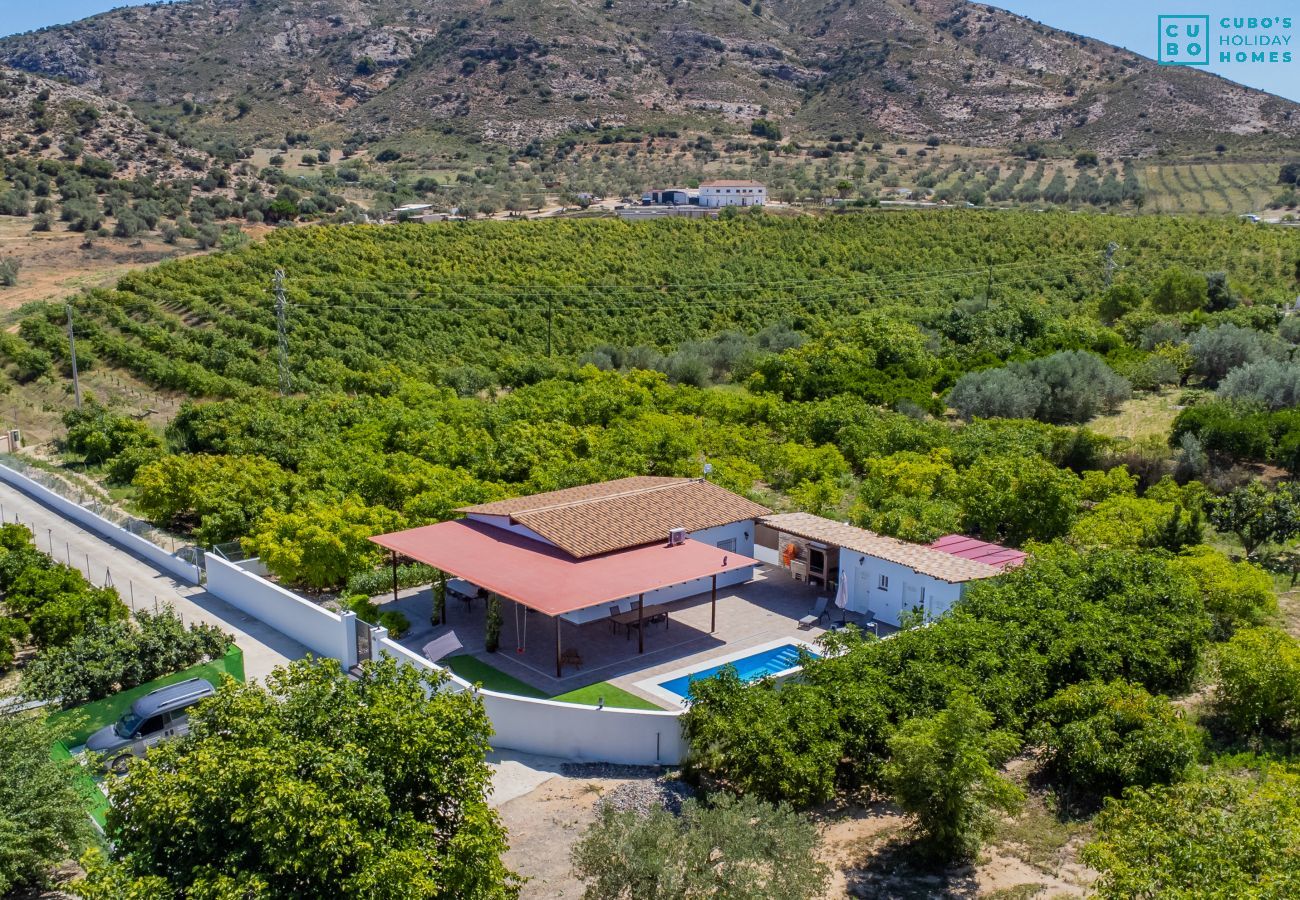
(751,668)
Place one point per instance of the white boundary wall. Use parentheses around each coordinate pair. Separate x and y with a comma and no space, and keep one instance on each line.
(545,727)
(133,543)
(568,730)
(321,631)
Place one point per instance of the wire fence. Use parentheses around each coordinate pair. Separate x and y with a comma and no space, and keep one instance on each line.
(98,504)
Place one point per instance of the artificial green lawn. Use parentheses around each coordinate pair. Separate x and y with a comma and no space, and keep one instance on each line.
(83,721)
(475,670)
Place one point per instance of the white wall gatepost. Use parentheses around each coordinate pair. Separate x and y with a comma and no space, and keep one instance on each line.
(348,635)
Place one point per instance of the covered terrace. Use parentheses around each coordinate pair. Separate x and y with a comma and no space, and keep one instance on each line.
(611,587)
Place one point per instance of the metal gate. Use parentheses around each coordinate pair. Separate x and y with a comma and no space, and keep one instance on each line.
(361,630)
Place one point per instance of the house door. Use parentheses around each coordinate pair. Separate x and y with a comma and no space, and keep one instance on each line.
(913,598)
(873,593)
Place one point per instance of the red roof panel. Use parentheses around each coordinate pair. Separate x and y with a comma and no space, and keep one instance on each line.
(980,551)
(547,579)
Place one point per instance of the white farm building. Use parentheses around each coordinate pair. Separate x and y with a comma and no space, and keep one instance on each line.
(732,193)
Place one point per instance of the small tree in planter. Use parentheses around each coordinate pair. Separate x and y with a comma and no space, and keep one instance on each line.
(492,630)
(439,616)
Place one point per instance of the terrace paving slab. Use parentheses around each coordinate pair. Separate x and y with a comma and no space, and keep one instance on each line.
(756,613)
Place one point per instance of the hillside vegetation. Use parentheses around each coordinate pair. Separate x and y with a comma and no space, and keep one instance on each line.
(814,362)
(480,300)
(517,70)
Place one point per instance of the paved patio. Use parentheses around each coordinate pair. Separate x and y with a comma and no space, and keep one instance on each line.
(758,612)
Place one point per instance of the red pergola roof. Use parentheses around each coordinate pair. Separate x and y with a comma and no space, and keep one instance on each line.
(547,579)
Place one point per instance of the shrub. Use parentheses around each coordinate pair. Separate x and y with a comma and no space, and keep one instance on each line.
(42,808)
(1268,383)
(1258,689)
(1070,386)
(379,581)
(1217,351)
(1101,738)
(370,613)
(115,656)
(741,849)
(1227,836)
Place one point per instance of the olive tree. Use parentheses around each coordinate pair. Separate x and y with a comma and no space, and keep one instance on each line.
(733,848)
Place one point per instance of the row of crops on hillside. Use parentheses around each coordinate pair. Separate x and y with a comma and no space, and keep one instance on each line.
(361,300)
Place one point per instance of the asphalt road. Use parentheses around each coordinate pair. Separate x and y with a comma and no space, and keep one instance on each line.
(143,586)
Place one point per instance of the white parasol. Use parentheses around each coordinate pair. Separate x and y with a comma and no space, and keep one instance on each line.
(842,596)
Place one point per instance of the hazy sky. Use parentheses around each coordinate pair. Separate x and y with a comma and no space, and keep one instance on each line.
(1127,23)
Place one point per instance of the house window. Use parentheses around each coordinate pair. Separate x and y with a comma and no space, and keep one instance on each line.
(729,545)
(884,583)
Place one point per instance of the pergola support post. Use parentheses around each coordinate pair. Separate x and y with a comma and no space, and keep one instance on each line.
(558,672)
(640,623)
(713,605)
(393,554)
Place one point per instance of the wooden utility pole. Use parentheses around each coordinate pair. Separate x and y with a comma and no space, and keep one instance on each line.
(72,355)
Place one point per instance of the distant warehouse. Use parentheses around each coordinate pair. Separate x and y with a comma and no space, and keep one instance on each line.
(668,197)
(732,193)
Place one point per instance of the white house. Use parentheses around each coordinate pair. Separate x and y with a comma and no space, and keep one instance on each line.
(885,577)
(732,193)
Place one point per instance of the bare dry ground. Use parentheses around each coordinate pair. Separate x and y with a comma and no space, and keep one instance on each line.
(58,263)
(1034,855)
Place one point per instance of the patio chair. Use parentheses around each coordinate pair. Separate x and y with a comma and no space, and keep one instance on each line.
(818,613)
(571,657)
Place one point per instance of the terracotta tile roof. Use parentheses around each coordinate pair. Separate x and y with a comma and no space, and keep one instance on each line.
(916,557)
(614,515)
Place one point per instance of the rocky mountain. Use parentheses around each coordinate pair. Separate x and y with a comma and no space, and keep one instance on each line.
(511,71)
(71,125)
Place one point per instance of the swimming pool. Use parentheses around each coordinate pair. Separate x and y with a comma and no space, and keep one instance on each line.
(751,668)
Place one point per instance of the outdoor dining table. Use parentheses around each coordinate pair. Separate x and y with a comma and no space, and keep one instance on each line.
(648,615)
